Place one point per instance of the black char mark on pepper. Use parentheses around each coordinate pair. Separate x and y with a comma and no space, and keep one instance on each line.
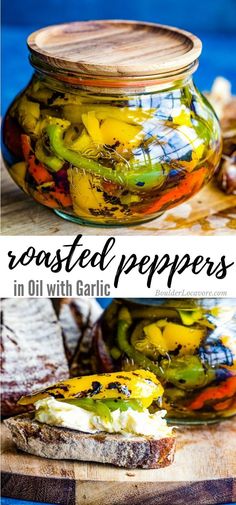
(123,377)
(101,212)
(57,395)
(94,390)
(64,387)
(111,199)
(121,388)
(54,96)
(177,350)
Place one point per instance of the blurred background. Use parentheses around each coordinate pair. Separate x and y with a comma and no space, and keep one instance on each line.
(214,21)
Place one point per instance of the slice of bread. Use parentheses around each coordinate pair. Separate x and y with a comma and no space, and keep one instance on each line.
(33,354)
(115,449)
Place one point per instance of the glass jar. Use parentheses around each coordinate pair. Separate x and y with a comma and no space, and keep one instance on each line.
(105,146)
(190,344)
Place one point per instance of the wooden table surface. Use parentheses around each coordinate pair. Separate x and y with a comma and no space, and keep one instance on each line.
(210,212)
(203,473)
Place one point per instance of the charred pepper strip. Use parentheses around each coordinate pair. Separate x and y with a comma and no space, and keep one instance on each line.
(137,333)
(139,384)
(35,168)
(228,404)
(51,161)
(192,182)
(187,372)
(140,180)
(124,323)
(26,145)
(213,393)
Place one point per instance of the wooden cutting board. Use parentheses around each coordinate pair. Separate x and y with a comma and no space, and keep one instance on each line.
(210,212)
(204,473)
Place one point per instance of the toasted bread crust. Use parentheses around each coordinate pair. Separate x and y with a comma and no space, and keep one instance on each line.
(33,353)
(62,443)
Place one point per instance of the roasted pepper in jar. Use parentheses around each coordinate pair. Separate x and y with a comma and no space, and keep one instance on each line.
(188,344)
(112,147)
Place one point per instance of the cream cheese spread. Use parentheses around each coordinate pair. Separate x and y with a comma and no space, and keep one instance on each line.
(129,422)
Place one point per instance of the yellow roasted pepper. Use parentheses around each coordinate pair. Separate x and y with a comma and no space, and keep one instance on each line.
(92,125)
(172,336)
(39,92)
(182,116)
(153,337)
(141,385)
(18,173)
(132,116)
(189,338)
(229,342)
(88,196)
(114,130)
(111,131)
(66,98)
(190,317)
(83,192)
(196,144)
(28,114)
(50,120)
(83,144)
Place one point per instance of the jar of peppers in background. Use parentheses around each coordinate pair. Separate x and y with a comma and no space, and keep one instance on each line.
(111,129)
(190,344)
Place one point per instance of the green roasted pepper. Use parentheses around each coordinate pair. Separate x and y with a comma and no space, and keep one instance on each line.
(141,342)
(187,372)
(103,408)
(142,179)
(123,405)
(190,317)
(97,407)
(50,161)
(124,323)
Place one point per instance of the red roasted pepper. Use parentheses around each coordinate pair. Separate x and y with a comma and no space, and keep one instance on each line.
(35,168)
(12,136)
(54,198)
(190,185)
(222,393)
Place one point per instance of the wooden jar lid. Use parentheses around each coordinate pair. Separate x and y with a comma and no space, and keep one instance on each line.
(115,48)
